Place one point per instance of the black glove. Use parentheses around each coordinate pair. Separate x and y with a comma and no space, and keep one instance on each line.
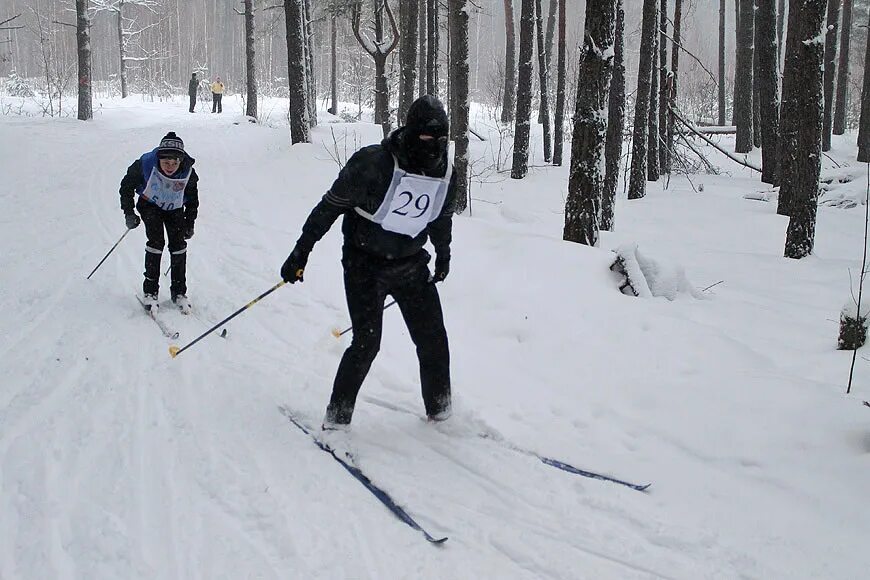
(442,268)
(132,220)
(294,265)
(188,230)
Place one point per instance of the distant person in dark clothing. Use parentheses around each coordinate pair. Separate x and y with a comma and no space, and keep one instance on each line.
(393,196)
(217,93)
(191,90)
(166,183)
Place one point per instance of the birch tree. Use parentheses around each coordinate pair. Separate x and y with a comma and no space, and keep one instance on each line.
(459,75)
(585,178)
(83,44)
(250,61)
(128,32)
(298,86)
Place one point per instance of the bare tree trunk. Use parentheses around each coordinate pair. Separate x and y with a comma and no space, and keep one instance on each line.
(421,48)
(333,59)
(756,107)
(864,125)
(408,57)
(768,88)
(83,43)
(615,122)
(664,87)
(510,74)
(637,176)
(803,68)
(843,74)
(298,91)
(561,65)
(586,179)
(459,75)
(122,51)
(434,41)
(830,71)
(548,49)
(653,162)
(721,63)
(310,79)
(674,77)
(743,78)
(379,52)
(520,166)
(780,28)
(250,61)
(544,82)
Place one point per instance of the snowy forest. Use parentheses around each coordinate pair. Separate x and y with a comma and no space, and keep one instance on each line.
(655,307)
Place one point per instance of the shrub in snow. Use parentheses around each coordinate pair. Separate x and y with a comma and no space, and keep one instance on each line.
(853,327)
(16,86)
(645,277)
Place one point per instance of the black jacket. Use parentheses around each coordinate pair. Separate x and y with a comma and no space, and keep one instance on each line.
(191,87)
(134,182)
(363,183)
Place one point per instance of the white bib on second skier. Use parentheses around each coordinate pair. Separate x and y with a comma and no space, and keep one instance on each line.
(411,201)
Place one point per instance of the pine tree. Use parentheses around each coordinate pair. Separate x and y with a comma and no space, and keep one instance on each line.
(586,179)
(615,122)
(408,57)
(510,63)
(803,76)
(830,71)
(743,110)
(561,65)
(459,85)
(768,88)
(637,176)
(250,62)
(864,126)
(843,73)
(520,166)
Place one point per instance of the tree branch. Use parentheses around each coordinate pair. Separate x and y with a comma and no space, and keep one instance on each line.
(744,162)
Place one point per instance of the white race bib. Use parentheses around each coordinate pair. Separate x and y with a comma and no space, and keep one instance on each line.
(165,192)
(411,201)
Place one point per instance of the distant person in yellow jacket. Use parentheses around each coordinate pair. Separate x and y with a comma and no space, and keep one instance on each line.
(217,92)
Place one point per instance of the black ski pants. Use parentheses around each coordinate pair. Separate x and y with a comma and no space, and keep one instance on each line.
(368,280)
(216,105)
(192,102)
(156,221)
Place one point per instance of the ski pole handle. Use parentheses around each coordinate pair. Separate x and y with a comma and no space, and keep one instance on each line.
(174,351)
(107,255)
(339,333)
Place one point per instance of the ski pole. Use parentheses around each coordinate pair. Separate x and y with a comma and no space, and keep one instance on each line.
(339,333)
(174,351)
(107,255)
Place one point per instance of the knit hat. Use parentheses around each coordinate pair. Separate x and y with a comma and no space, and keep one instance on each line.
(428,116)
(170,146)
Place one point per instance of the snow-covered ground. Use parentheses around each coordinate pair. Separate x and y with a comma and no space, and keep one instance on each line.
(117,461)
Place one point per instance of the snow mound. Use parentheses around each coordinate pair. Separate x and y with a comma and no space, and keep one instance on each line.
(645,277)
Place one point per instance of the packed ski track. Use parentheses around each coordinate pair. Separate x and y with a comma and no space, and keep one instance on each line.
(117,461)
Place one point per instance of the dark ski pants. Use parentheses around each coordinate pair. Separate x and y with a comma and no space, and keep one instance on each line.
(367,282)
(192,102)
(156,221)
(216,106)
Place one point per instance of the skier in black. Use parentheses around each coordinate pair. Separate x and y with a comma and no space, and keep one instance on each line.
(192,85)
(393,196)
(166,183)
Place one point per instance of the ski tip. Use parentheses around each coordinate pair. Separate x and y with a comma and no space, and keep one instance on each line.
(173,351)
(437,541)
(642,487)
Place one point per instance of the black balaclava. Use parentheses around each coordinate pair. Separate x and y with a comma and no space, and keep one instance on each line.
(426,117)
